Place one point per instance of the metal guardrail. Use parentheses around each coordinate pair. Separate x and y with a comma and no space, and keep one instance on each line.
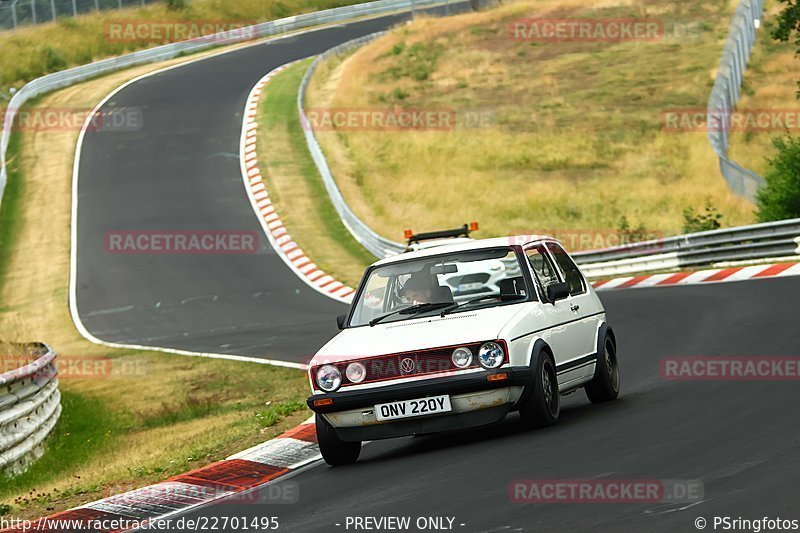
(379,246)
(70,76)
(725,94)
(758,241)
(30,406)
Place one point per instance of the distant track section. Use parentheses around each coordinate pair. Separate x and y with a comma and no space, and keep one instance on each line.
(180,173)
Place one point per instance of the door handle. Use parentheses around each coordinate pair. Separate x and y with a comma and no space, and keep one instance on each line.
(574,307)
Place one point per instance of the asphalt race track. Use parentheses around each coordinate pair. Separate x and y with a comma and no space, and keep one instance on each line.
(180,172)
(741,439)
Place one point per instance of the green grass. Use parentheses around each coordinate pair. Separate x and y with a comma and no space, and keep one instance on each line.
(86,428)
(273,413)
(9,209)
(291,173)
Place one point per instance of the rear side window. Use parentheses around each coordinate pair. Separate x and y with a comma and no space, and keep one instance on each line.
(544,271)
(571,273)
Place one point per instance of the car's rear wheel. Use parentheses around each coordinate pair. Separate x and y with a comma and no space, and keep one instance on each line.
(604,387)
(542,403)
(335,451)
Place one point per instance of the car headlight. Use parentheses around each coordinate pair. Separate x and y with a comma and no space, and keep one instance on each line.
(329,378)
(355,372)
(491,355)
(462,357)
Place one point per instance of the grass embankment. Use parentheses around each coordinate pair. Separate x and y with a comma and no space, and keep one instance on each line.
(574,138)
(770,84)
(138,417)
(295,187)
(32,51)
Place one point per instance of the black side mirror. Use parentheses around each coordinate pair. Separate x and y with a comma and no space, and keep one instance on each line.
(340,320)
(557,291)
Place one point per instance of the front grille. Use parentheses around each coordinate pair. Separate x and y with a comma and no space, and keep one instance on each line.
(420,363)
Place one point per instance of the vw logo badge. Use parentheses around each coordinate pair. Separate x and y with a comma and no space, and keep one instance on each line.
(407,365)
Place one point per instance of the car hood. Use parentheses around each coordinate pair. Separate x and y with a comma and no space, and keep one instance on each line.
(418,334)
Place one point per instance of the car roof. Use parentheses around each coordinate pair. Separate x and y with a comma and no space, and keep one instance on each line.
(424,245)
(472,244)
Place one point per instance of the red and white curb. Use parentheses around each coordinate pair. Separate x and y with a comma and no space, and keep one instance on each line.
(277,234)
(701,276)
(232,479)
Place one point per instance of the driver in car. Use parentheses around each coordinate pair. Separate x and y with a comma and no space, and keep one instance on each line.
(418,289)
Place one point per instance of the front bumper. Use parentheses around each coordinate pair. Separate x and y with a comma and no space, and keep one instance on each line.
(475,400)
(452,385)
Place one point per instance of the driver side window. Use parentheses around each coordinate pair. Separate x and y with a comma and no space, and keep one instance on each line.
(542,267)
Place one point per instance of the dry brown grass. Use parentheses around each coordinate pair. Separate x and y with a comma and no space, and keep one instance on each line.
(574,137)
(211,404)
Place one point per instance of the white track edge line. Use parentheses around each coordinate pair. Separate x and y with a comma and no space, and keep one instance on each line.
(254,97)
(73,260)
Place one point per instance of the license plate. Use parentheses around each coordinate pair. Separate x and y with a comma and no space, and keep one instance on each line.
(409,408)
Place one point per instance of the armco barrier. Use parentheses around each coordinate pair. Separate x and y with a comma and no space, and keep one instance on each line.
(725,94)
(758,241)
(70,76)
(30,405)
(379,246)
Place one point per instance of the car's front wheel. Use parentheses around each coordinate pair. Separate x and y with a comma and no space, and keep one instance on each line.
(604,387)
(335,451)
(541,405)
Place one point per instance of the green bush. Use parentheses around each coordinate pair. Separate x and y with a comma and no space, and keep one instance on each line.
(779,198)
(177,5)
(707,220)
(52,59)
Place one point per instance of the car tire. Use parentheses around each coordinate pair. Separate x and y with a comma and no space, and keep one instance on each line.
(335,451)
(542,404)
(604,386)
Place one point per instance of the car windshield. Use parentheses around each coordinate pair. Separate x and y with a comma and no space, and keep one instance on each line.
(412,288)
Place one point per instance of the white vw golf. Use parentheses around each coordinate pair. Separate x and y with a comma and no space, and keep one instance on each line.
(411,360)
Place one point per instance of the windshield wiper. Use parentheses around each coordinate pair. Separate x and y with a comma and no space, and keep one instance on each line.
(503,298)
(413,310)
